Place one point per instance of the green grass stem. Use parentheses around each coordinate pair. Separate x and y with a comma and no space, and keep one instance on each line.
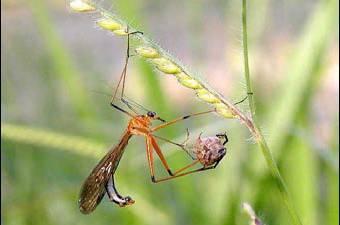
(258,134)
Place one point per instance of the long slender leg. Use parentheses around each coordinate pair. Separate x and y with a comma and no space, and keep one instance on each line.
(150,143)
(120,80)
(177,174)
(149,155)
(122,110)
(127,58)
(123,74)
(186,167)
(180,119)
(159,153)
(172,142)
(183,174)
(167,140)
(125,101)
(182,145)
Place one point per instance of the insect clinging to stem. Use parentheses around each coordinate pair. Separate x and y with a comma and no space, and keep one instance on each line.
(208,152)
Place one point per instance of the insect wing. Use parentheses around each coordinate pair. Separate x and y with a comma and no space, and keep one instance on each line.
(93,189)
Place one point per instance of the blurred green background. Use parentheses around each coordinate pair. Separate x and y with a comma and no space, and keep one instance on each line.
(56,126)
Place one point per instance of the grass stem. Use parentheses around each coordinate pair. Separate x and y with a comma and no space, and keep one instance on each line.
(257,132)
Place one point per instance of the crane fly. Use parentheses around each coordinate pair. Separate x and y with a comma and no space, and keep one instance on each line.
(208,151)
(101,181)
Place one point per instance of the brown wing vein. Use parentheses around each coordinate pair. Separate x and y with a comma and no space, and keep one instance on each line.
(93,189)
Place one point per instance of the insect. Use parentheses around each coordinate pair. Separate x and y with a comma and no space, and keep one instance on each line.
(101,179)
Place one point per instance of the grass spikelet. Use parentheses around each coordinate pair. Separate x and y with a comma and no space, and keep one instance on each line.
(183,76)
(109,24)
(187,81)
(220,109)
(207,96)
(120,32)
(166,66)
(147,52)
(190,83)
(81,6)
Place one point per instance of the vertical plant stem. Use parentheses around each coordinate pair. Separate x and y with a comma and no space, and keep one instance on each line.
(257,132)
(245,58)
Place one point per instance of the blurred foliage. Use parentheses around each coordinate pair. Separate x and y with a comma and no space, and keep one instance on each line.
(54,61)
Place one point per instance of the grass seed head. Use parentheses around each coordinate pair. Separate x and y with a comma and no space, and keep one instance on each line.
(81,6)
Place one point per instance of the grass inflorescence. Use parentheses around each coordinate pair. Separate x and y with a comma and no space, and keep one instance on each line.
(161,60)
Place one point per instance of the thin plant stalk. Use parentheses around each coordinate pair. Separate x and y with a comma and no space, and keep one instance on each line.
(258,134)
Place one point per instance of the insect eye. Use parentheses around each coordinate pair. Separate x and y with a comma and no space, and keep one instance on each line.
(151,114)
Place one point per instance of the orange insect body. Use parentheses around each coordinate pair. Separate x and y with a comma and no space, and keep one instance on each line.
(139,125)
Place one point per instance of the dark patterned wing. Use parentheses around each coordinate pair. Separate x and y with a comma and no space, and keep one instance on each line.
(93,189)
